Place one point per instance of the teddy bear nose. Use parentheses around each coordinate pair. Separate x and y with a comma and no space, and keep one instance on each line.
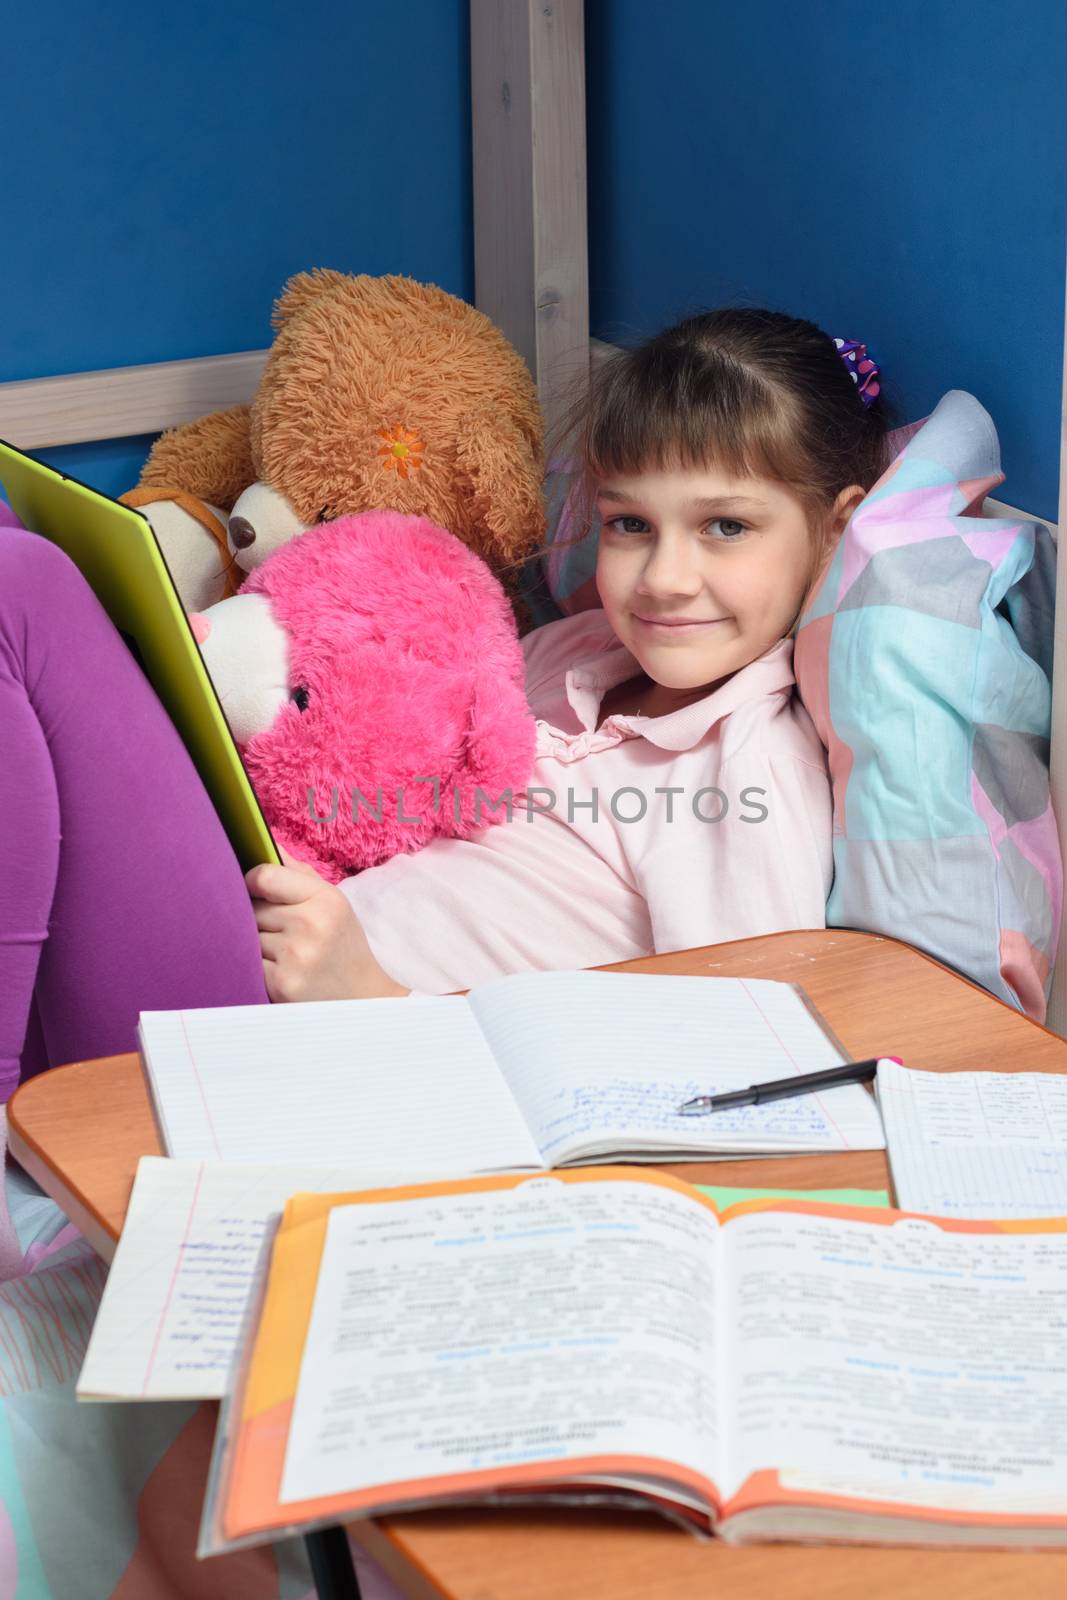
(242,533)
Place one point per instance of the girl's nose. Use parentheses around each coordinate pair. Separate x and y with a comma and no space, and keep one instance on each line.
(669,570)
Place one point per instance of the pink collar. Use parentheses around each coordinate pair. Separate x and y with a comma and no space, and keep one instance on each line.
(610,663)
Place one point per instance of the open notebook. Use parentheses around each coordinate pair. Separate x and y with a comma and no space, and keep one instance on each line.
(976,1144)
(530,1071)
(792,1371)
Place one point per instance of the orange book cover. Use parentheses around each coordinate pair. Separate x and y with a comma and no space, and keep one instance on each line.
(632,1256)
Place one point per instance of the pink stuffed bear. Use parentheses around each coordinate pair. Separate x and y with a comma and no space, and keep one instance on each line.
(371,673)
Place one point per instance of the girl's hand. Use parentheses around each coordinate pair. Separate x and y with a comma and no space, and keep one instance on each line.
(312,944)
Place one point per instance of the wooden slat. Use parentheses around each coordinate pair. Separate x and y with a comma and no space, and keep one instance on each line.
(561,251)
(529,167)
(115,402)
(37,413)
(502,157)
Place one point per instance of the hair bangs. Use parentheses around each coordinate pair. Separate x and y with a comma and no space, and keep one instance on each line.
(746,391)
(655,410)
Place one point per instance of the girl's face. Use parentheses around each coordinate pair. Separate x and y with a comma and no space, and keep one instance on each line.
(700,573)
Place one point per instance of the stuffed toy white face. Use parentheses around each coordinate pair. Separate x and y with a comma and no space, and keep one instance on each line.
(261,521)
(246,652)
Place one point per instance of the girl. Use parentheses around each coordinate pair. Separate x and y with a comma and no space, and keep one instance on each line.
(680,796)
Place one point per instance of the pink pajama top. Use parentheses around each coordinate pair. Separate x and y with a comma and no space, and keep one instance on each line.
(645,835)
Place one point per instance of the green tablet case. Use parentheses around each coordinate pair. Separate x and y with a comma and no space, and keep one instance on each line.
(119,556)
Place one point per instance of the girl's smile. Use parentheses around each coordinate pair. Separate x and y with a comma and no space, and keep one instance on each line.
(679,625)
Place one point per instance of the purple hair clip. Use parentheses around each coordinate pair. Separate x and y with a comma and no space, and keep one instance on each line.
(862,368)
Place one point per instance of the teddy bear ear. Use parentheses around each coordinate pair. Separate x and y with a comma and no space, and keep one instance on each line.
(302,289)
(503,476)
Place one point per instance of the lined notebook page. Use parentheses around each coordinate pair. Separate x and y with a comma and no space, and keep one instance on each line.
(174,1302)
(600,1061)
(356,1083)
(976,1144)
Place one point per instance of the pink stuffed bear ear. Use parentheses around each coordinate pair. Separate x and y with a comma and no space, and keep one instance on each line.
(200,625)
(501,741)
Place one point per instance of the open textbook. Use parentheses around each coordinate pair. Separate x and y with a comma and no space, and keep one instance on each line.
(169,1323)
(525,1072)
(795,1371)
(976,1144)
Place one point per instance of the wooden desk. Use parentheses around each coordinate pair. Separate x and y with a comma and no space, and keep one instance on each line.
(81,1130)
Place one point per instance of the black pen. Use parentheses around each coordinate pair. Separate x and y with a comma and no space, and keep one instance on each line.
(785,1088)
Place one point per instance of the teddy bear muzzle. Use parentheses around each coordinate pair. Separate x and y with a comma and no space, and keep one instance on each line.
(261,521)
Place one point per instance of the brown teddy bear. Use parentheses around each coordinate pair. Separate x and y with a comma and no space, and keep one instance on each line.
(378,393)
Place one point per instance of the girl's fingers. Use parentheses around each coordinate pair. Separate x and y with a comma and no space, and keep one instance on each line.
(283,885)
(270,918)
(271,982)
(270,946)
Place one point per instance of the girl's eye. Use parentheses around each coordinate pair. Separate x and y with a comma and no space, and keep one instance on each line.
(731,531)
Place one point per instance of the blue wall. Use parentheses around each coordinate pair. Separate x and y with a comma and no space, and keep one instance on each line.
(896,173)
(168,168)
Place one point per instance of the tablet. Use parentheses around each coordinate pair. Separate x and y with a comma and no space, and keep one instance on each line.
(119,556)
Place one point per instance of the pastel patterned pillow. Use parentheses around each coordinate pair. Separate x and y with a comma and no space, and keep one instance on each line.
(569,562)
(925,661)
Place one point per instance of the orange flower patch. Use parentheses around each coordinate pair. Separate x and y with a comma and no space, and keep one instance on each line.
(400,450)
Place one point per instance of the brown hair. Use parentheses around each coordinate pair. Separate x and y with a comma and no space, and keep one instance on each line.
(754,392)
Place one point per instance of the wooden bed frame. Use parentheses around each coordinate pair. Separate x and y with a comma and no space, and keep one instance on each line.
(531,278)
